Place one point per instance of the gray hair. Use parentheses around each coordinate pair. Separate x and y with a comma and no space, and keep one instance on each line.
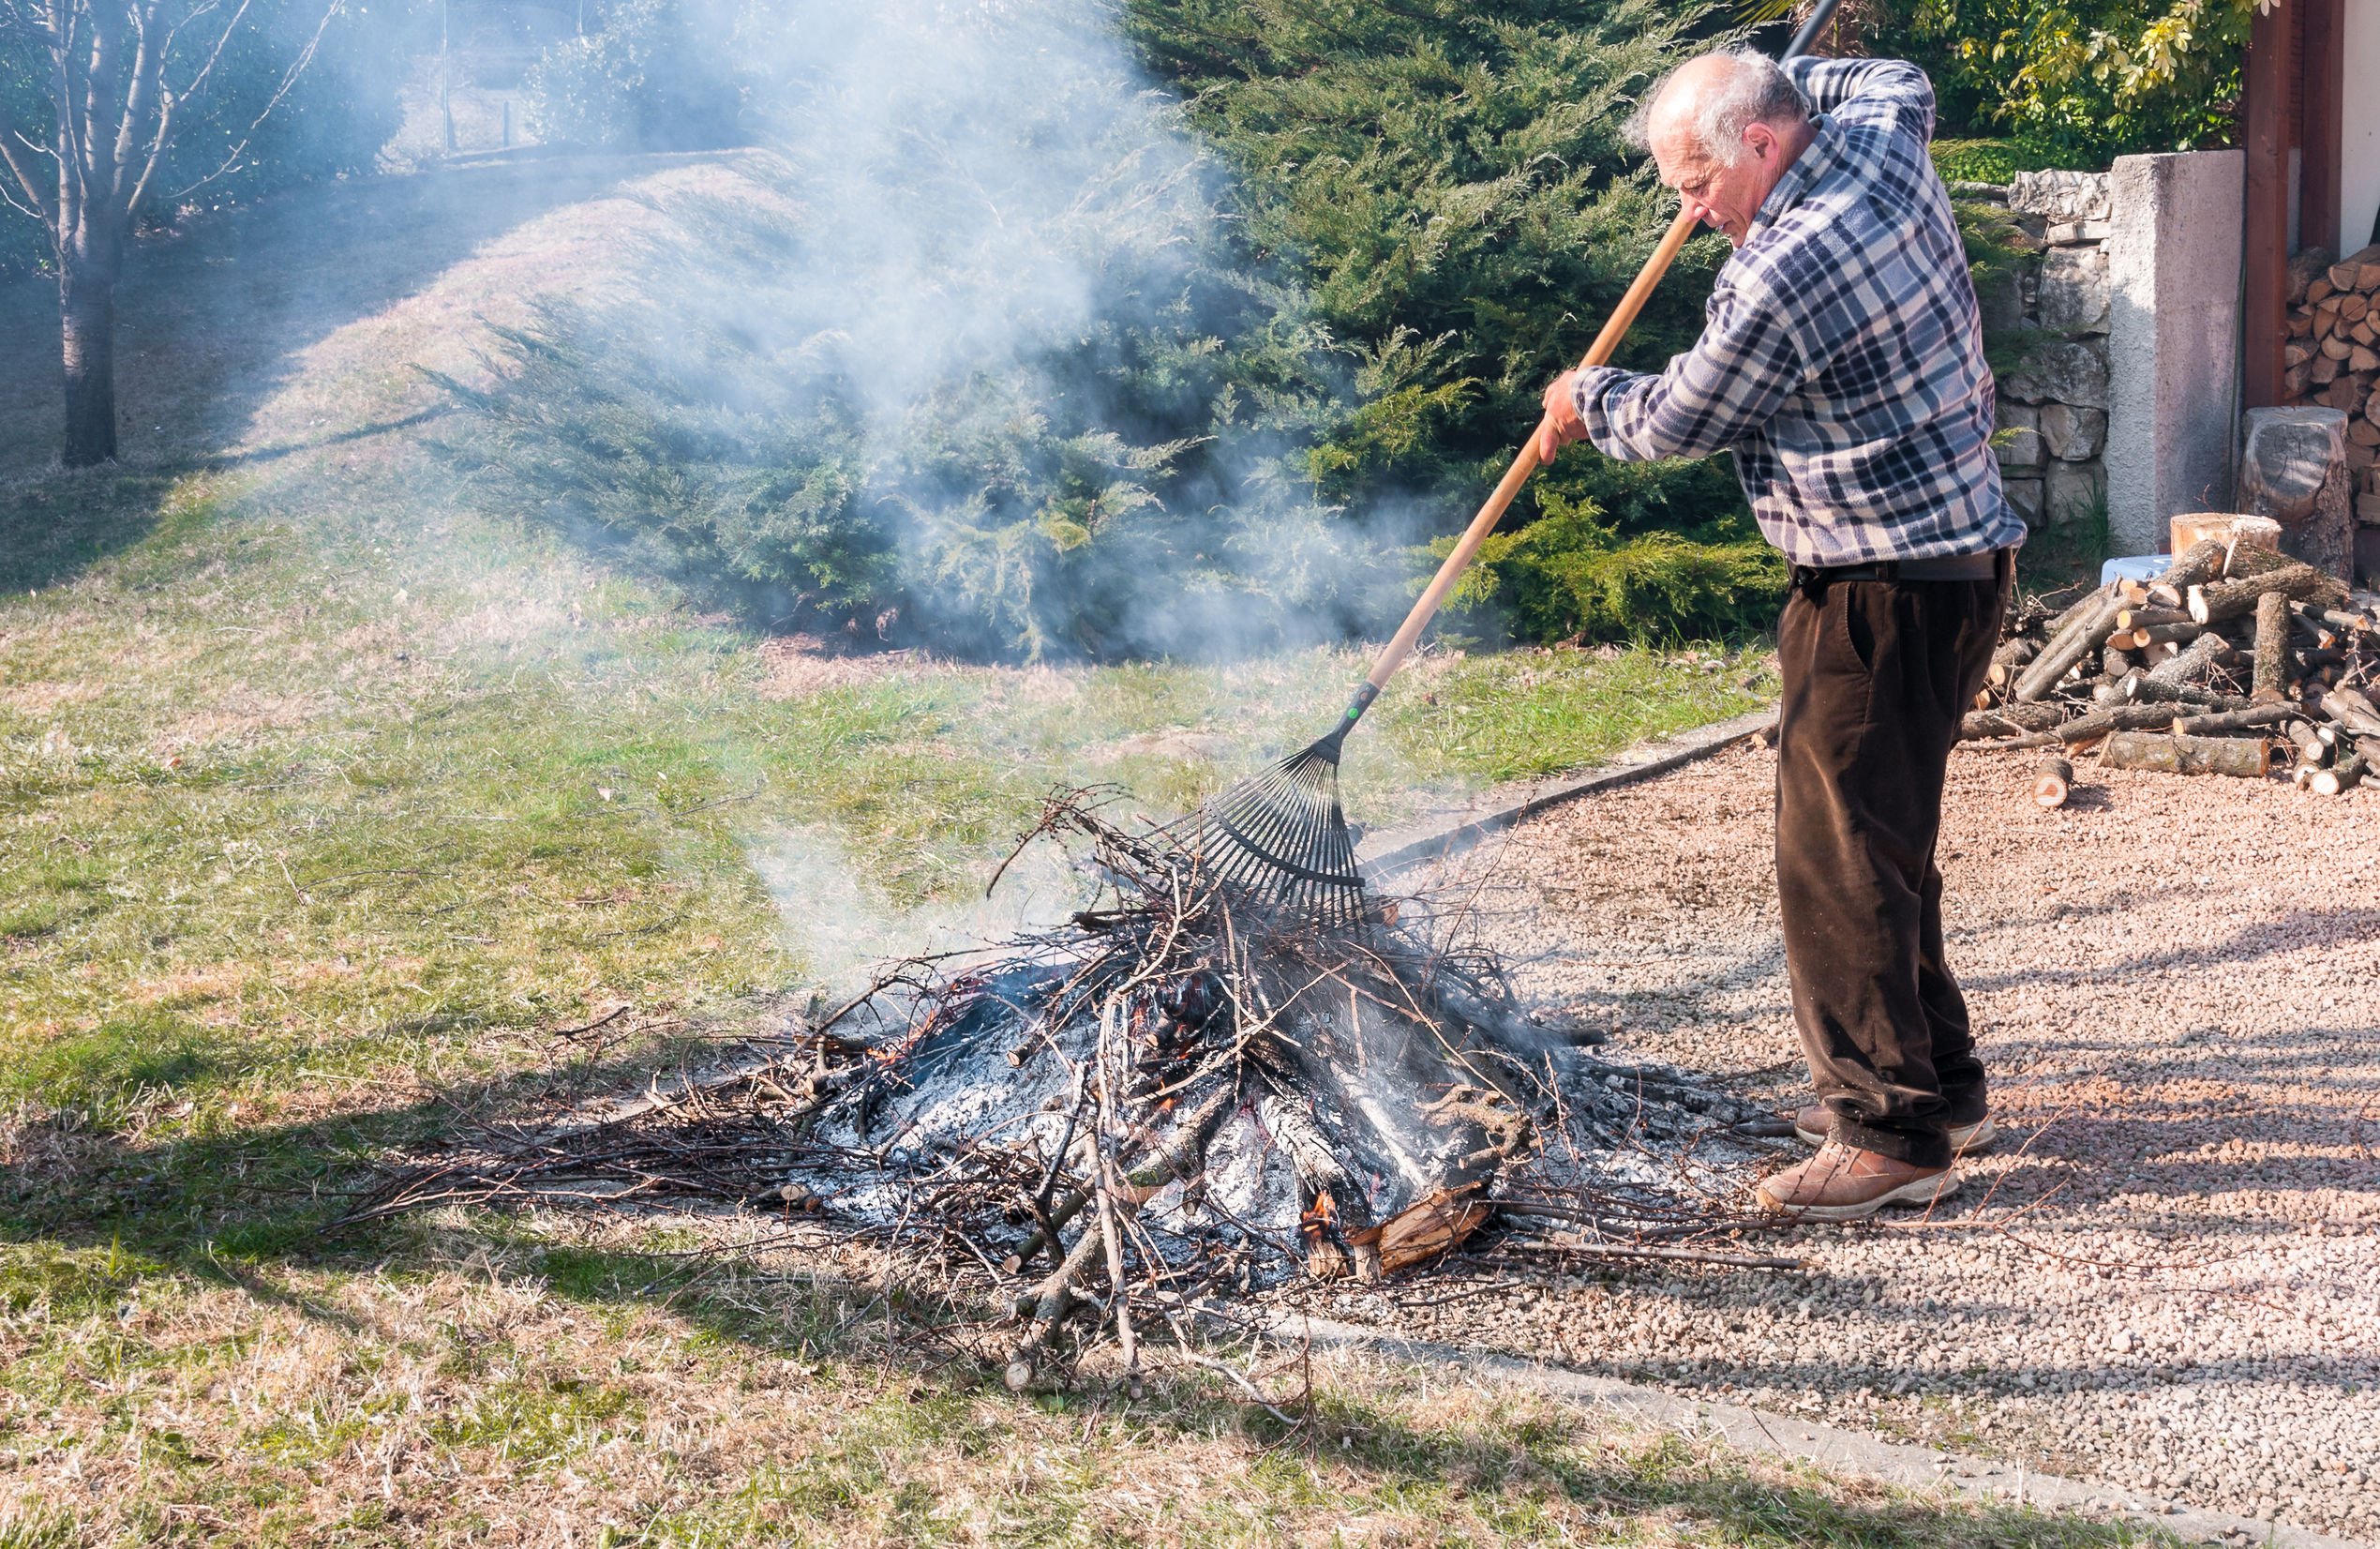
(1756,91)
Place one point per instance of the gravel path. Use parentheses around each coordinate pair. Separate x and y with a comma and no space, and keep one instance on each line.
(2167,1277)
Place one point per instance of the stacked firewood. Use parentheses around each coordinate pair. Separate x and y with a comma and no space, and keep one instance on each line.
(2235,658)
(2333,354)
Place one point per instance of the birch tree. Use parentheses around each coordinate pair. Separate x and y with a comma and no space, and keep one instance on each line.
(120,77)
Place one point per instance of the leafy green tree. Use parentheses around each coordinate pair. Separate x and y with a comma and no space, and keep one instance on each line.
(2076,82)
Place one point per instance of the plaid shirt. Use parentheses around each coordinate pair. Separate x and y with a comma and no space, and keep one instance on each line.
(1842,357)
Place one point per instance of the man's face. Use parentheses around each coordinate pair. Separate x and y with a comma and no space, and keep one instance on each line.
(1725,194)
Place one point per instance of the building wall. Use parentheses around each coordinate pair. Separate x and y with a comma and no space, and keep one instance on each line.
(2053,406)
(2359,127)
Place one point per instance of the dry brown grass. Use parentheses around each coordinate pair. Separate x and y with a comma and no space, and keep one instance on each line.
(541,1387)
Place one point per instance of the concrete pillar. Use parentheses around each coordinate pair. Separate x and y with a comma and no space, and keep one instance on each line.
(2173,339)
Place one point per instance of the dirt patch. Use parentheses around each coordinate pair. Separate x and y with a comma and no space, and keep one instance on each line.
(2162,1277)
(795,666)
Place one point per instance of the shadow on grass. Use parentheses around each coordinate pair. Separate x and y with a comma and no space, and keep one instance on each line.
(217,317)
(93,1217)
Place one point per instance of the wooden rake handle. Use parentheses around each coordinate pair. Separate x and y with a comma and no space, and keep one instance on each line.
(1467,547)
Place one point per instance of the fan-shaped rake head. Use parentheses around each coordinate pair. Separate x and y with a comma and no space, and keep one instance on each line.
(1281,838)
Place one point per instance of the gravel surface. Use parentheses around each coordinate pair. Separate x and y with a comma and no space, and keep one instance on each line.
(2167,1276)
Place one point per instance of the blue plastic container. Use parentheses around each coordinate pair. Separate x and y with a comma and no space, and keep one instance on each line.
(2138,568)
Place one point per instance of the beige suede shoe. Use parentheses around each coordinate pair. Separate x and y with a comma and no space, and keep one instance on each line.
(1812,1124)
(1841,1183)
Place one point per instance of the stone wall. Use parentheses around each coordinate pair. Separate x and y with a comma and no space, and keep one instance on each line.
(2054,402)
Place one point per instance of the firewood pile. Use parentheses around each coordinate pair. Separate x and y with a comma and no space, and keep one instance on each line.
(2332,356)
(1178,1099)
(2238,660)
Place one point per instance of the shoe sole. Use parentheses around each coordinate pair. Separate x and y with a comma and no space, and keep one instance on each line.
(1977,1136)
(1917,1190)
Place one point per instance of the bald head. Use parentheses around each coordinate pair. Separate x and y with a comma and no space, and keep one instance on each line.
(1711,100)
(1722,128)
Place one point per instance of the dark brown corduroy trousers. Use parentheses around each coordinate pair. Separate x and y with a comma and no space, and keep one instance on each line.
(1877,676)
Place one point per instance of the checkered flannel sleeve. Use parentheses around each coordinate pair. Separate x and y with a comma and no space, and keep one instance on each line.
(1841,359)
(1708,399)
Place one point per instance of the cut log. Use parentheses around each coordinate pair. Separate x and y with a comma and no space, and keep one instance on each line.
(2344,775)
(2196,661)
(2334,617)
(2215,601)
(2011,720)
(2129,717)
(2088,632)
(2150,618)
(2167,633)
(2196,558)
(2075,609)
(2117,663)
(2353,711)
(2224,722)
(2053,779)
(2009,659)
(2149,688)
(2271,681)
(2246,758)
(2311,747)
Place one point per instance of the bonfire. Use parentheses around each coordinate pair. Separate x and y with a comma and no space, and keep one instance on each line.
(1183,1093)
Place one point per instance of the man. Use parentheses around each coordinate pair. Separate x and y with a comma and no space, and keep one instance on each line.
(1842,360)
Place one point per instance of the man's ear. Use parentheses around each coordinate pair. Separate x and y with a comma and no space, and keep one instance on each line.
(1760,139)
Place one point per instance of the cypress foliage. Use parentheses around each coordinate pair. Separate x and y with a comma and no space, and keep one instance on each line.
(1007,350)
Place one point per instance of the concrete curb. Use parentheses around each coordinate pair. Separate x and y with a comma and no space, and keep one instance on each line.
(1767,1434)
(1450,833)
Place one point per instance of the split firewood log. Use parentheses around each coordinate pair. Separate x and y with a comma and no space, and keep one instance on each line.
(2247,757)
(2271,681)
(2053,779)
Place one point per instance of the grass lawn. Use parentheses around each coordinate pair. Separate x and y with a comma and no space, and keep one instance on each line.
(327,802)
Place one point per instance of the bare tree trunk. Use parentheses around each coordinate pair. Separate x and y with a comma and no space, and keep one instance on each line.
(86,313)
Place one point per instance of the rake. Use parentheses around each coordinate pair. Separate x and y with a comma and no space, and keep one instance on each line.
(1281,837)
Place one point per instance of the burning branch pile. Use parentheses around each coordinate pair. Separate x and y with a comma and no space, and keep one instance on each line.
(2236,655)
(1180,1093)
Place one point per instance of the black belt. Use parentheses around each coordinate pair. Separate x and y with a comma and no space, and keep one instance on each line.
(1954,567)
